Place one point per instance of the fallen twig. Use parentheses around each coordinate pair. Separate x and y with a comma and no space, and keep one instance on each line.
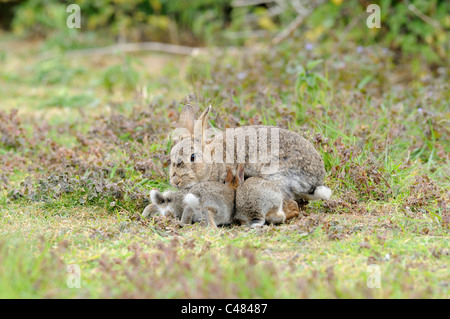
(245,3)
(134,47)
(424,17)
(283,35)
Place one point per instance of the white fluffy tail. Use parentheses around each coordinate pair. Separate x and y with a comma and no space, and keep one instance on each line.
(191,200)
(321,192)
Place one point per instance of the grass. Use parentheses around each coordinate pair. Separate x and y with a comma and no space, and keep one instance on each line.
(78,159)
(120,257)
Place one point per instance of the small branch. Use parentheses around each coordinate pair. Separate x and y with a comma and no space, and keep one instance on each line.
(246,34)
(154,46)
(435,24)
(424,17)
(246,3)
(280,37)
(283,35)
(134,47)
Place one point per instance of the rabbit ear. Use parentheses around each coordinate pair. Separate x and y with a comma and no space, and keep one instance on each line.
(156,197)
(229,179)
(204,116)
(186,119)
(240,174)
(203,120)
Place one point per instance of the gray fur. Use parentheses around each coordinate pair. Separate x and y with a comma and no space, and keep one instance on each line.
(214,198)
(301,168)
(169,203)
(259,201)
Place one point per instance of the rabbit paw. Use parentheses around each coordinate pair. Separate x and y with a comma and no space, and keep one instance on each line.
(291,209)
(257,223)
(150,211)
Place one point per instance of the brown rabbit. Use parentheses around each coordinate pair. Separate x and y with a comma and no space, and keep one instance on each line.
(211,201)
(298,171)
(259,201)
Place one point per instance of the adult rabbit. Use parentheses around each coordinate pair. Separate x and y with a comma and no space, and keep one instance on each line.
(275,154)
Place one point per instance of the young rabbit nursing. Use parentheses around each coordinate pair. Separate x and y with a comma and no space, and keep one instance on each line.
(258,201)
(169,203)
(299,175)
(253,202)
(211,201)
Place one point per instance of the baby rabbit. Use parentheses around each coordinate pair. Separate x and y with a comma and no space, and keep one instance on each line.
(211,201)
(169,203)
(259,201)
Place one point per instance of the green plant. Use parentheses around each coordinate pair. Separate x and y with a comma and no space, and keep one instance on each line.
(122,75)
(310,88)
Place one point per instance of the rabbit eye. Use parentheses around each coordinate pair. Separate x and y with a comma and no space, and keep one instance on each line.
(192,157)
